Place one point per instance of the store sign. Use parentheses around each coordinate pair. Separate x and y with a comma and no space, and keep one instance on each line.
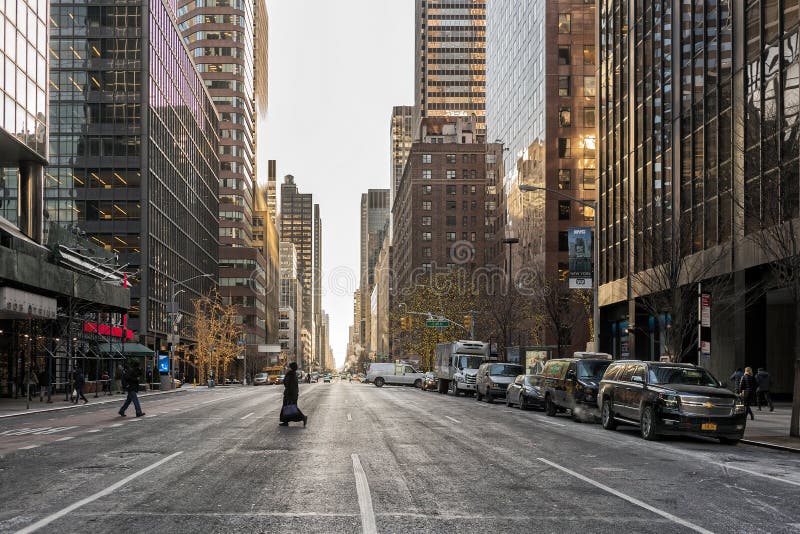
(107,330)
(580,258)
(29,305)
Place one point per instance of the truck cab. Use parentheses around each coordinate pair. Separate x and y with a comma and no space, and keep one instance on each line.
(457,365)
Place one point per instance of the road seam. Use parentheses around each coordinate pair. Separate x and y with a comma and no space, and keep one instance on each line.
(364,498)
(628,498)
(61,513)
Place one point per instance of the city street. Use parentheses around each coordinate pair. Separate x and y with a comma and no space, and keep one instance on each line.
(387,460)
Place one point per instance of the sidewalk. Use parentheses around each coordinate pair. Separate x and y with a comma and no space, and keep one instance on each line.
(771,429)
(17,407)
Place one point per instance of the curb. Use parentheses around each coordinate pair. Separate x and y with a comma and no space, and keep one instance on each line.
(768,445)
(95,403)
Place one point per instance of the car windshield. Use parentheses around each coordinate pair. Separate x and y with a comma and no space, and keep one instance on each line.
(469,362)
(505,370)
(592,370)
(530,381)
(681,375)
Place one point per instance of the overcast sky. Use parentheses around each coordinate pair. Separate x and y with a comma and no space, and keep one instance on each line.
(336,68)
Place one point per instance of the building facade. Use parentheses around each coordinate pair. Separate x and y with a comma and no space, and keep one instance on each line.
(450,60)
(401,135)
(221,35)
(440,209)
(688,169)
(375,212)
(134,160)
(267,241)
(291,304)
(317,313)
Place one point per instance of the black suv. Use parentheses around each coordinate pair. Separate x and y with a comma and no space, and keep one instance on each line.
(669,398)
(571,384)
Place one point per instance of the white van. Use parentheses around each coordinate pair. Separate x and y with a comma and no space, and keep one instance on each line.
(394,373)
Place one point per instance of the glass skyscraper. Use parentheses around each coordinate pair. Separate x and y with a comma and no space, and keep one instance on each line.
(133,149)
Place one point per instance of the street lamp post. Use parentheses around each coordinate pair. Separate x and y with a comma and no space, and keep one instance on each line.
(595,253)
(173,327)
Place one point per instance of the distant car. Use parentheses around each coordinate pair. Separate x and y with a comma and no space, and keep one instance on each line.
(670,398)
(493,378)
(280,378)
(525,391)
(572,384)
(261,379)
(315,376)
(327,379)
(429,383)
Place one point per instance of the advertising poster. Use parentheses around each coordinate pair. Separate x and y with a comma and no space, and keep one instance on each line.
(580,258)
(163,363)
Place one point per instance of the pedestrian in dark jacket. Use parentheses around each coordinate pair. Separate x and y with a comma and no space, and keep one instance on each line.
(291,392)
(130,381)
(763,384)
(747,390)
(80,381)
(735,379)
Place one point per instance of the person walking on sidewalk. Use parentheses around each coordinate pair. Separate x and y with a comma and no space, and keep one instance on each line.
(747,390)
(43,384)
(31,382)
(763,382)
(291,392)
(106,383)
(80,382)
(130,382)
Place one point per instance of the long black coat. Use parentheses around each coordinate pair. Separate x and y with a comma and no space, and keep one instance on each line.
(291,391)
(747,388)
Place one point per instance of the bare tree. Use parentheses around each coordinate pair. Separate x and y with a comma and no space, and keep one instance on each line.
(558,309)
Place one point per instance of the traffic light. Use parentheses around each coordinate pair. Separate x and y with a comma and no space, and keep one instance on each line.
(405,323)
(467,322)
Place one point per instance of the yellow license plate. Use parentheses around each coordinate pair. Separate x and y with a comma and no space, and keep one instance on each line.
(708,426)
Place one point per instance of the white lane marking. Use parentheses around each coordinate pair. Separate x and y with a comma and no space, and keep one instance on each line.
(116,425)
(364,498)
(548,422)
(777,479)
(66,438)
(28,447)
(61,513)
(628,498)
(349,417)
(453,420)
(93,431)
(248,415)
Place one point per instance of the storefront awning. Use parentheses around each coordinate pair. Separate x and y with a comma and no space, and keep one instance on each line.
(128,349)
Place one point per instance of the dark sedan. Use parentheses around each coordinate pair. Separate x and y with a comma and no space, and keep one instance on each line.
(526,392)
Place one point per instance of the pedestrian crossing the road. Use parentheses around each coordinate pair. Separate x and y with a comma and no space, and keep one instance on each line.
(41,431)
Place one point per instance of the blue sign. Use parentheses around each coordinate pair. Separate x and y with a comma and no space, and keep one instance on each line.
(163,363)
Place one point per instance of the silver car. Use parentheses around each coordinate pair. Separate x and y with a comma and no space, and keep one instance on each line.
(494,378)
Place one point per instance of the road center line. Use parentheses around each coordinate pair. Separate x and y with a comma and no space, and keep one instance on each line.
(364,498)
(248,415)
(52,517)
(66,438)
(452,419)
(628,498)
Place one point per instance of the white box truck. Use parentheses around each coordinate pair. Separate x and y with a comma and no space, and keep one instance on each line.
(457,365)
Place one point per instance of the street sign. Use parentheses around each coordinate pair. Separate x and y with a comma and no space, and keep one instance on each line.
(269,348)
(437,324)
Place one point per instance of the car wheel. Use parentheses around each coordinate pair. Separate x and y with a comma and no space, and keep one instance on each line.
(607,416)
(417,383)
(728,441)
(549,408)
(648,424)
(379,382)
(478,396)
(508,401)
(522,404)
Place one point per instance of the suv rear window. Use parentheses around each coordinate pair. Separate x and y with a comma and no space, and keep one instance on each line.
(592,369)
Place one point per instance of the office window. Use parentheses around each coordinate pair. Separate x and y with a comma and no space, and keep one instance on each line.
(588,213)
(465,220)
(451,174)
(589,178)
(426,205)
(426,236)
(426,221)
(564,116)
(451,158)
(473,204)
(426,252)
(451,204)
(589,147)
(472,236)
(464,236)
(588,54)
(426,267)
(465,174)
(589,88)
(464,189)
(473,190)
(564,147)
(426,174)
(426,158)
(589,117)
(563,210)
(451,236)
(451,220)
(563,241)
(563,55)
(464,205)
(451,190)
(427,190)
(564,178)
(563,85)
(564,23)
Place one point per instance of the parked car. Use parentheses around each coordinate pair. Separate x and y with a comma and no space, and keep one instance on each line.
(400,374)
(429,383)
(315,376)
(571,384)
(670,398)
(261,379)
(493,378)
(279,379)
(526,391)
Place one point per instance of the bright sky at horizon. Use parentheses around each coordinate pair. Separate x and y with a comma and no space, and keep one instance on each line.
(335,71)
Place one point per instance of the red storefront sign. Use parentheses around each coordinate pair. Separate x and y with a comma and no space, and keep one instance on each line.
(107,330)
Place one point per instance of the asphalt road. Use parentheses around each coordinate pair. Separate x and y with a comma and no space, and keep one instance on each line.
(374,460)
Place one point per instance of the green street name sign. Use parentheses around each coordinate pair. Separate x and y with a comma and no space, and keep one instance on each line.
(437,324)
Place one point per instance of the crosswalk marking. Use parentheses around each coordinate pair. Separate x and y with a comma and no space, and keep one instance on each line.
(41,431)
